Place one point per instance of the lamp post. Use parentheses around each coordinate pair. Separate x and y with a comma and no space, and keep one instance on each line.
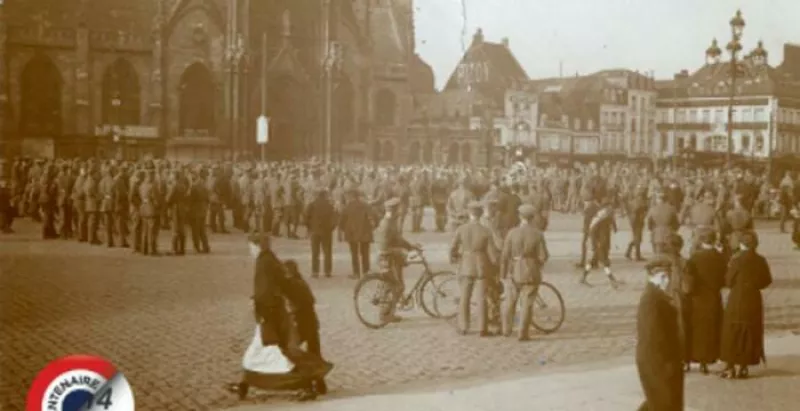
(332,64)
(520,103)
(234,51)
(116,103)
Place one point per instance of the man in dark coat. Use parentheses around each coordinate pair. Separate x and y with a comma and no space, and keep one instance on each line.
(659,357)
(743,323)
(637,211)
(705,270)
(320,218)
(356,222)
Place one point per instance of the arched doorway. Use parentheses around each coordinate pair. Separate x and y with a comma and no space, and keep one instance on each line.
(385,108)
(281,110)
(40,98)
(343,112)
(388,151)
(196,112)
(121,96)
(427,153)
(414,152)
(466,153)
(452,153)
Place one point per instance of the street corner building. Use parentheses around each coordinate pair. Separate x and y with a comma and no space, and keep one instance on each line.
(187,79)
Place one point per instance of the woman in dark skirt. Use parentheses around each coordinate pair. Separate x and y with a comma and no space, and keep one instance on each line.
(705,270)
(743,323)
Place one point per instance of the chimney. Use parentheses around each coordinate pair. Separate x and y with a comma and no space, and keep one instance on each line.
(683,74)
(477,38)
(504,41)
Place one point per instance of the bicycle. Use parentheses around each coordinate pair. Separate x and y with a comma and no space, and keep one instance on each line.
(549,310)
(386,290)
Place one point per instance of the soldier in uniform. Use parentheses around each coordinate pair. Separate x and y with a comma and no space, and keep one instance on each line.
(416,202)
(702,217)
(48,203)
(148,212)
(198,208)
(473,250)
(662,220)
(278,198)
(260,201)
(92,198)
(392,248)
(523,256)
(246,202)
(737,221)
(217,200)
(135,201)
(79,204)
(176,202)
(492,220)
(439,195)
(65,183)
(122,207)
(637,211)
(457,205)
(106,191)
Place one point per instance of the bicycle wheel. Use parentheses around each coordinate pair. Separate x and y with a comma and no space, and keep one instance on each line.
(448,296)
(378,293)
(548,309)
(429,290)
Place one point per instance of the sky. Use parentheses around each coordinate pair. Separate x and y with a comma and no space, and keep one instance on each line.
(584,36)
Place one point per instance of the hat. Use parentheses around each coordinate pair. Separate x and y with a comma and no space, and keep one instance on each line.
(658,265)
(392,202)
(527,211)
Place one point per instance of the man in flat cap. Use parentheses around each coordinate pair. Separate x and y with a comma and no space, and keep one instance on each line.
(524,253)
(392,248)
(474,252)
(659,356)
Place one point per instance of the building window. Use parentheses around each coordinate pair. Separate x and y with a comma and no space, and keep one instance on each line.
(542,120)
(680,116)
(760,115)
(759,147)
(745,143)
(196,110)
(706,116)
(633,125)
(747,115)
(720,143)
(693,116)
(590,125)
(577,124)
(693,142)
(719,116)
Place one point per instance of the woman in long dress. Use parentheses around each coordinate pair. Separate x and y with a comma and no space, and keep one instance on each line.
(274,359)
(743,324)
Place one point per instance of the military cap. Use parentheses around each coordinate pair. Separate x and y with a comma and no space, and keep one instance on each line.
(392,202)
(527,211)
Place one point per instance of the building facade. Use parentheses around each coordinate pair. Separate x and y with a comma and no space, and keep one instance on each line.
(693,111)
(183,78)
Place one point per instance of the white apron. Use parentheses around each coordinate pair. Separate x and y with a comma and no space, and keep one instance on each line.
(265,360)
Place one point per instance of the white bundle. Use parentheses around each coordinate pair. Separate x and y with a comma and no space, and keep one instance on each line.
(602,215)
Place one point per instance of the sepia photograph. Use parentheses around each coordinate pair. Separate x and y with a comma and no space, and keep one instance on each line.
(397,205)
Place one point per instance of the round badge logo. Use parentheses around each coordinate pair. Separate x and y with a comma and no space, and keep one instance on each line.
(80,383)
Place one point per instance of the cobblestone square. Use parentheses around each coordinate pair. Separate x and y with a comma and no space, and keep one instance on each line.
(177,327)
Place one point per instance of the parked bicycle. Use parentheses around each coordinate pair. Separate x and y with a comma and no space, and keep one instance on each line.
(380,289)
(549,310)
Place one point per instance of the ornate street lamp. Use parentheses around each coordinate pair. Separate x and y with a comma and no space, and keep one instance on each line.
(332,65)
(234,51)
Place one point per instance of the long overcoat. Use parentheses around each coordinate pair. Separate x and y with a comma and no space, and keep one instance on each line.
(705,269)
(659,358)
(743,323)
